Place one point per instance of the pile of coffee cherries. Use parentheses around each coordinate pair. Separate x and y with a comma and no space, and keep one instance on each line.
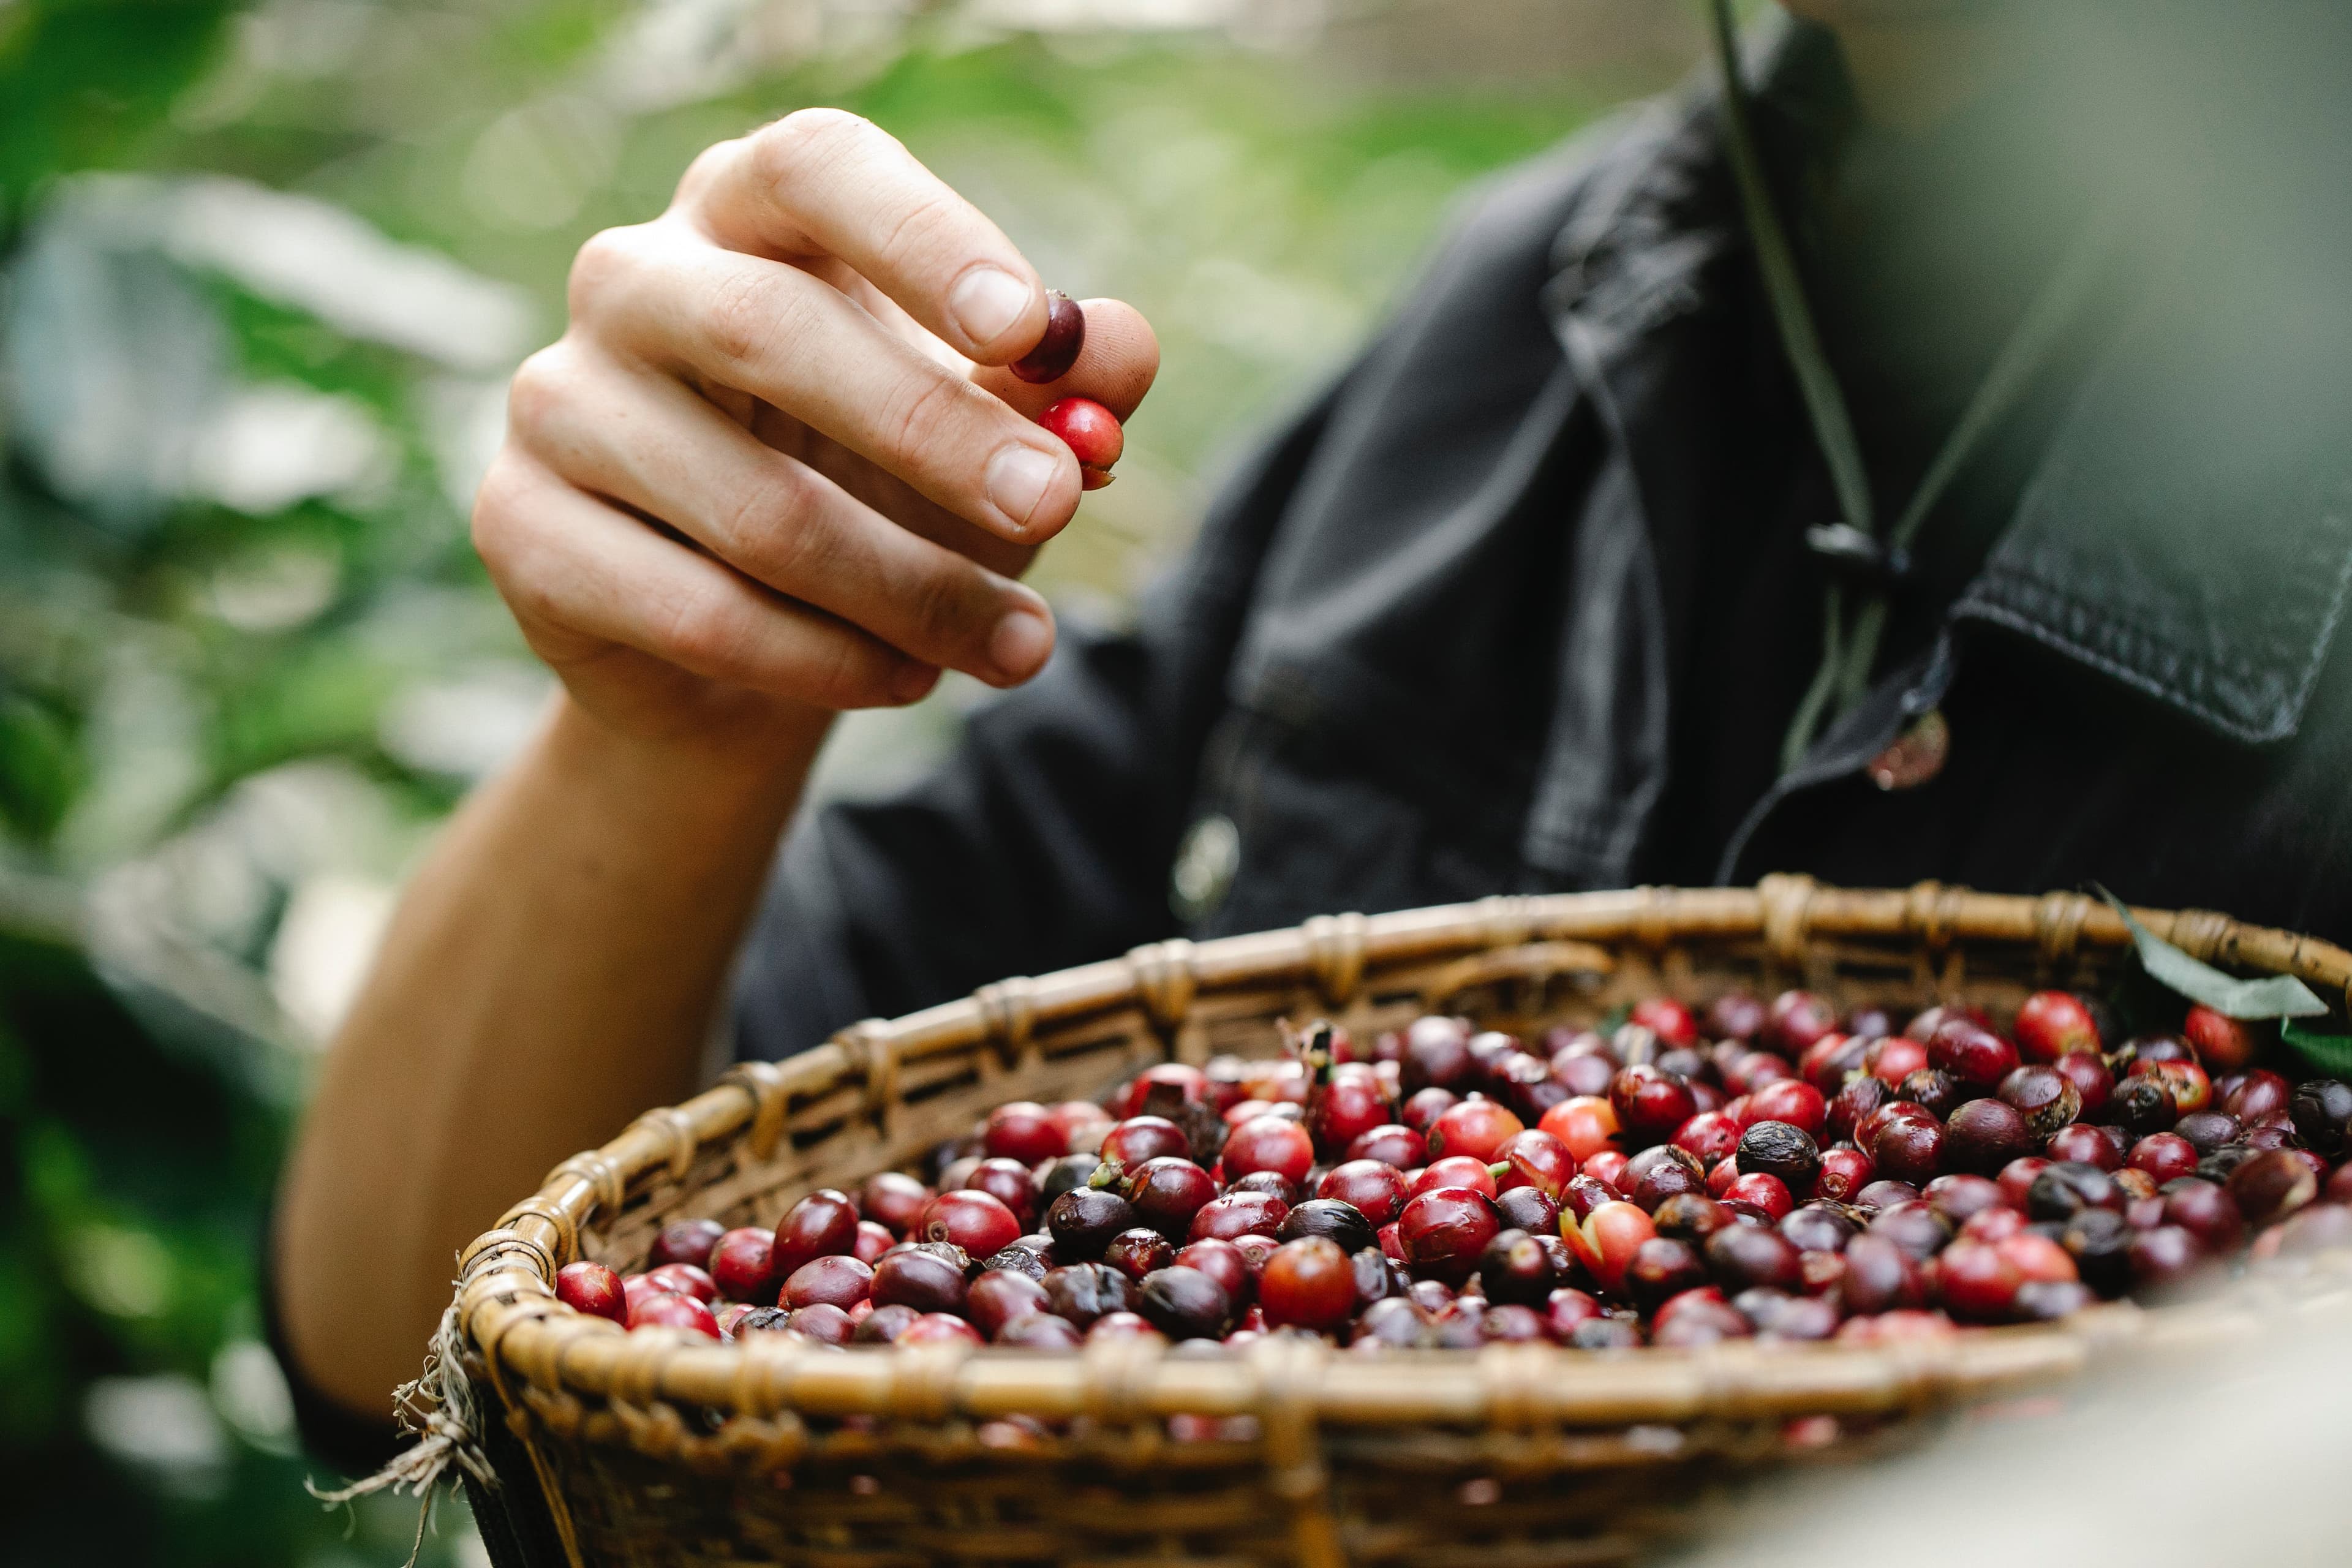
(1773,1171)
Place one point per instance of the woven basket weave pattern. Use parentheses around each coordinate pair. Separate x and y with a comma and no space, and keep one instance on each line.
(655,1449)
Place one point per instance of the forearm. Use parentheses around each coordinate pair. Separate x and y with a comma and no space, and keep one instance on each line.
(552,972)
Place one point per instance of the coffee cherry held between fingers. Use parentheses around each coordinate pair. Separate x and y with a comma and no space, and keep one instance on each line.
(1057,351)
(1091,432)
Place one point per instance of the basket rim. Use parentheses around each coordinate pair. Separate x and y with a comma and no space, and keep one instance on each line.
(505,1302)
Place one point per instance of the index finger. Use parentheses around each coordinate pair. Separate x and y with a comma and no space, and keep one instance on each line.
(824,183)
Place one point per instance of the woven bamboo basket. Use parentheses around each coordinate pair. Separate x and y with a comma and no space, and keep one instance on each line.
(610,1447)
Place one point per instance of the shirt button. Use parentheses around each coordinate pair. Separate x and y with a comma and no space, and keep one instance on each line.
(1205,864)
(1915,755)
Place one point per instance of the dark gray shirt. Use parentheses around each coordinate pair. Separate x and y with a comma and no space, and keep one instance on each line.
(1521,602)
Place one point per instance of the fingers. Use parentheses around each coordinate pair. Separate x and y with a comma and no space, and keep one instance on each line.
(720,318)
(574,567)
(1116,367)
(824,181)
(652,445)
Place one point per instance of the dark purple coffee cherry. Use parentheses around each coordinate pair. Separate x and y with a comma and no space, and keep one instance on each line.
(1057,351)
(2322,1109)
(1084,1292)
(1084,1220)
(1986,1134)
(1185,1304)
(1518,1267)
(1334,1219)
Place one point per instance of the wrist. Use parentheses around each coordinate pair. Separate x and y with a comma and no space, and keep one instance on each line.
(753,769)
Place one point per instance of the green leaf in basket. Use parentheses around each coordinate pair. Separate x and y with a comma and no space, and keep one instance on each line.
(2272,996)
(2326,1053)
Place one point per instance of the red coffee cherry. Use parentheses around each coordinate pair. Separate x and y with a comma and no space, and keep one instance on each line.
(1141,1138)
(1442,1232)
(2221,1042)
(972,1220)
(744,1265)
(1271,1143)
(2052,1023)
(1391,1143)
(838,1281)
(1376,1189)
(1024,1131)
(1475,1129)
(1650,1105)
(1308,1283)
(667,1308)
(894,1199)
(820,1225)
(685,1279)
(1091,432)
(592,1289)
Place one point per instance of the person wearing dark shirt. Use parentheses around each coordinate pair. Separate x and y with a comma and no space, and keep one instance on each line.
(1925,459)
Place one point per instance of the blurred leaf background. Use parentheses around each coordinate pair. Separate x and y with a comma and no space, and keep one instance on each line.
(263,272)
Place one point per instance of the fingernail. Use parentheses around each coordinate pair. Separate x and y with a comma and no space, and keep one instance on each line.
(1018,646)
(986,302)
(914,682)
(1018,477)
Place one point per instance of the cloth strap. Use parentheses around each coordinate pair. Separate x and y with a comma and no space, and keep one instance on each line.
(1849,653)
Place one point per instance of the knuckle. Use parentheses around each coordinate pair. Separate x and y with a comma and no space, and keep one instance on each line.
(700,631)
(940,606)
(807,141)
(508,537)
(601,268)
(848,673)
(922,413)
(770,530)
(709,169)
(498,507)
(743,318)
(922,232)
(536,395)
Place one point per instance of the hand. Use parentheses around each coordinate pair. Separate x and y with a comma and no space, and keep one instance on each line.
(774,468)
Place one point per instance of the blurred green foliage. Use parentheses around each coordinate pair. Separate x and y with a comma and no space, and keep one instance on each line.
(247,660)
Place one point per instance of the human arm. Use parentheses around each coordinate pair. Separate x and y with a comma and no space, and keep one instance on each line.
(847,484)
